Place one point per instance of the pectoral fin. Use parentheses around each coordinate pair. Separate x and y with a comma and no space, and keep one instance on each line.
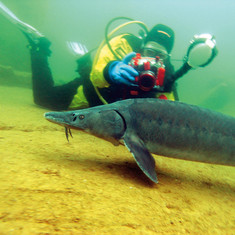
(142,156)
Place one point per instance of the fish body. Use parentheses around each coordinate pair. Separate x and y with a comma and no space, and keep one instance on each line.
(167,128)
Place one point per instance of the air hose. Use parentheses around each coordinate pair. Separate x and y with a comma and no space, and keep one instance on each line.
(107,39)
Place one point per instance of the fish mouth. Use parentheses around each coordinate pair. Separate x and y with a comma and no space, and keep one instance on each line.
(57,118)
(53,117)
(61,119)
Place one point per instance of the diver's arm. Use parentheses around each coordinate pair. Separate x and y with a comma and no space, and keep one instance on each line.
(201,52)
(121,46)
(170,78)
(181,71)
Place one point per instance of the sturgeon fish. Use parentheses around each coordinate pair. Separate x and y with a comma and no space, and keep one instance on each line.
(168,128)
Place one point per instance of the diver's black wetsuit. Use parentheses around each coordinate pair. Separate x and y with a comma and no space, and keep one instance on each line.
(59,97)
(44,92)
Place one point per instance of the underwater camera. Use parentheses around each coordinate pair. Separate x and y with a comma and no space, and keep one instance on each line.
(151,71)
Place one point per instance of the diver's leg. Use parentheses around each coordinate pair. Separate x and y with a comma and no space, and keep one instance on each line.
(44,92)
(42,81)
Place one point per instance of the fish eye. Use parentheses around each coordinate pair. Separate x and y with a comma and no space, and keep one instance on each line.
(81,117)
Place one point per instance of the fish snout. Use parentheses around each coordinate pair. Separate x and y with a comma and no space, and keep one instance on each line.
(68,119)
(57,117)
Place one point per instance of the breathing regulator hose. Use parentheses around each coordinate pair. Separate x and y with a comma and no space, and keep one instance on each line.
(108,36)
(107,39)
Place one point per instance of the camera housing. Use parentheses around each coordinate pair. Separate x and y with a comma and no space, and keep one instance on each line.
(151,71)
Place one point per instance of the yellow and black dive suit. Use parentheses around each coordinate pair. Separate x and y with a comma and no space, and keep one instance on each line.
(94,86)
(100,86)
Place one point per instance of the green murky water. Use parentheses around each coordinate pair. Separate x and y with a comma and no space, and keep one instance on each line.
(84,21)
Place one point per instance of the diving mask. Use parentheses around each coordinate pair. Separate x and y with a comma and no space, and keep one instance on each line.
(153,49)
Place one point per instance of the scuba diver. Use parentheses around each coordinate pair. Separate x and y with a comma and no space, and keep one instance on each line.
(125,66)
